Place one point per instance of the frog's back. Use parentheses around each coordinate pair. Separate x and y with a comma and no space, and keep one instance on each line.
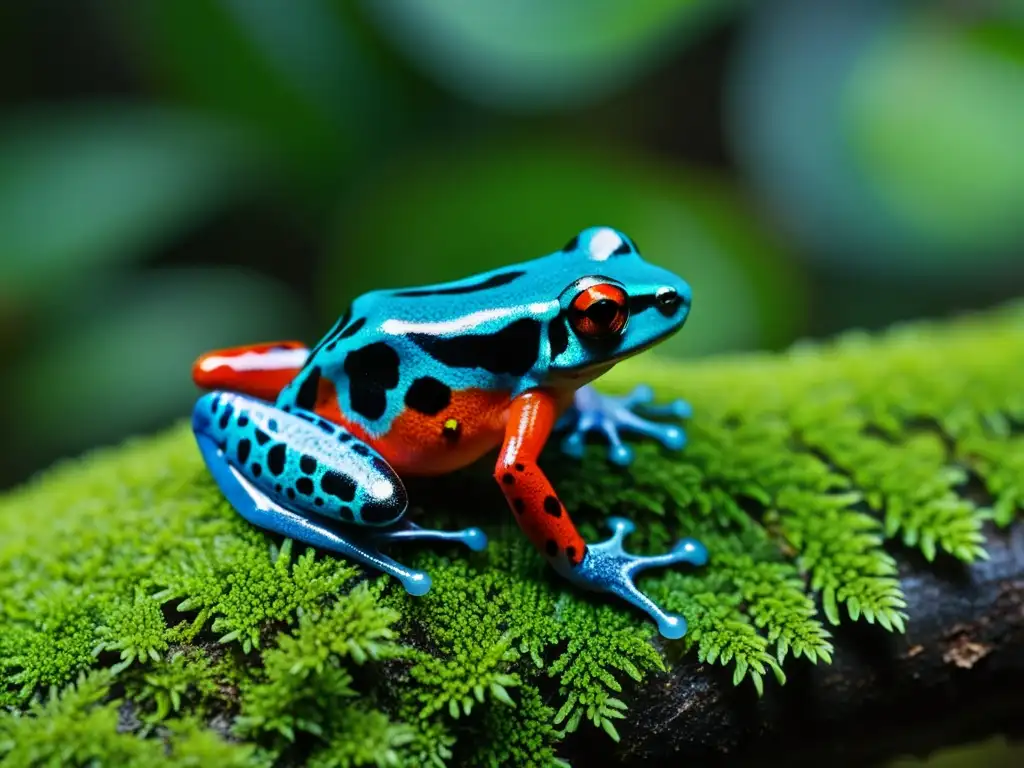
(426,375)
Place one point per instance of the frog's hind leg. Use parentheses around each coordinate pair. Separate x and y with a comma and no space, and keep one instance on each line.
(295,473)
(261,511)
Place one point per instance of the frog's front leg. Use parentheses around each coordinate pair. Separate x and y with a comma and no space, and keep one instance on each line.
(294,473)
(603,567)
(593,412)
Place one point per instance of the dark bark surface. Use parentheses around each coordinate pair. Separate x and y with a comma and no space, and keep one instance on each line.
(957,675)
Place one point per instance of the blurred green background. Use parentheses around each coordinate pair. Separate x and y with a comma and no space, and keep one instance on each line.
(178,175)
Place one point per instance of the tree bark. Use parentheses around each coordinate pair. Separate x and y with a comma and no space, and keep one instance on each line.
(956,676)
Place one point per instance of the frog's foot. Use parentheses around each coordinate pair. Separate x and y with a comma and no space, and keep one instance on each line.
(609,415)
(607,567)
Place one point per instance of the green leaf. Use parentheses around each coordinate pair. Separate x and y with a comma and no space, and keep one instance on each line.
(609,727)
(296,76)
(86,187)
(865,176)
(535,54)
(948,168)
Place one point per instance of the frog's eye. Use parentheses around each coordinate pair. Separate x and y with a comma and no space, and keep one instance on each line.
(599,311)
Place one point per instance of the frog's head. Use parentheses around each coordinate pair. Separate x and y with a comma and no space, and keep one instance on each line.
(614,304)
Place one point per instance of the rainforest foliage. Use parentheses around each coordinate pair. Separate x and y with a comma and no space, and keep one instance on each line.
(143,622)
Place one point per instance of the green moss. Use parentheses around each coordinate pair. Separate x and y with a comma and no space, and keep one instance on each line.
(143,622)
(304,680)
(186,678)
(79,726)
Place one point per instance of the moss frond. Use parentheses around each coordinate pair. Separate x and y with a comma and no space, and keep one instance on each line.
(146,620)
(602,647)
(188,677)
(999,461)
(433,740)
(245,585)
(191,743)
(136,629)
(50,647)
(364,737)
(523,737)
(305,679)
(461,613)
(79,726)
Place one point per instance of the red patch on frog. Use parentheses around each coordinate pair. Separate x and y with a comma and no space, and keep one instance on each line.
(471,424)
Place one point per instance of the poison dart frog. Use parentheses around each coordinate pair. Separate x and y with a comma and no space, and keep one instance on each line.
(312,444)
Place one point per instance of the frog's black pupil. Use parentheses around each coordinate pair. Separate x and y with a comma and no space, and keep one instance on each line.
(602,313)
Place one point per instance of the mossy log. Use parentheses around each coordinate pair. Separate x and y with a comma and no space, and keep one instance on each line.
(956,676)
(864,596)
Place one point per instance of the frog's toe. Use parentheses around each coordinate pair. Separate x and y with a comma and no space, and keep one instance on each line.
(671,436)
(573,444)
(691,551)
(618,452)
(621,528)
(677,409)
(642,394)
(473,538)
(416,583)
(607,567)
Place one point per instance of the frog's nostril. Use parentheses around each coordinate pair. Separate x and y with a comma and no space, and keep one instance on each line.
(667,300)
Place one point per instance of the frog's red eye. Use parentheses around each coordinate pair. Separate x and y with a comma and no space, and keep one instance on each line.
(600,311)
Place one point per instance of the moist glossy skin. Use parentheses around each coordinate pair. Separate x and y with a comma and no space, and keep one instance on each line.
(424,381)
(402,363)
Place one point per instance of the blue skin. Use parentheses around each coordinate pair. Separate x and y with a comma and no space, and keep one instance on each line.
(286,469)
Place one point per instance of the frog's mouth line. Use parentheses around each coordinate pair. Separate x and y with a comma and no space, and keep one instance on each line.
(597,369)
(587,372)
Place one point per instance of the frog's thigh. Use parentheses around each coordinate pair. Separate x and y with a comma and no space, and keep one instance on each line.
(259,370)
(296,460)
